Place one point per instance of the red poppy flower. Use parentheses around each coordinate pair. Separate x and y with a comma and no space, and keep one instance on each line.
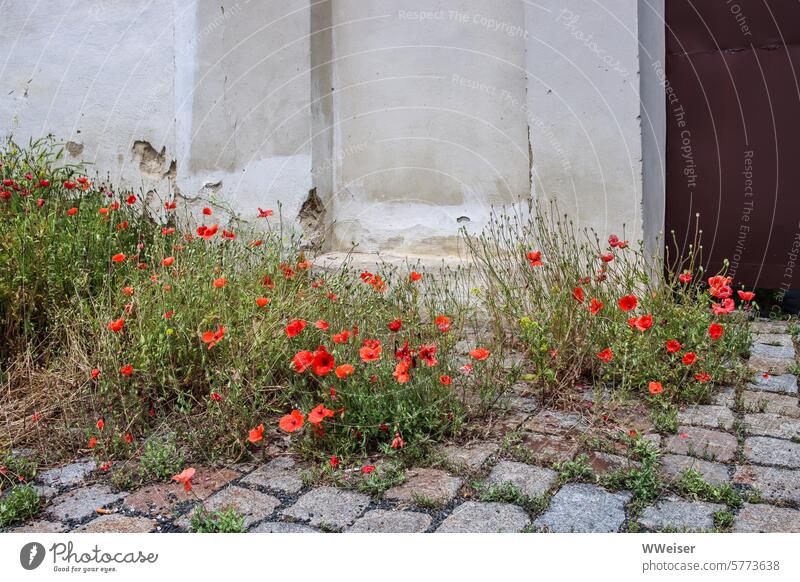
(126,370)
(334,461)
(40,202)
(371,350)
(746,295)
(131,199)
(292,422)
(685,277)
(168,314)
(44,183)
(428,355)
(69,185)
(642,323)
(170,205)
(322,363)
(267,282)
(168,261)
(727,306)
(262,301)
(344,371)
(578,295)
(264,213)
(322,324)
(715,330)
(256,434)
(257,243)
(395,325)
(414,276)
(702,377)
(118,258)
(341,338)
(628,302)
(443,323)
(655,388)
(673,346)
(689,358)
(122,225)
(295,327)
(127,290)
(216,396)
(220,282)
(480,354)
(95,373)
(128,438)
(368,469)
(318,414)
(103,211)
(398,442)
(212,338)
(185,477)
(606,355)
(117,325)
(595,305)
(101,424)
(535,258)
(207,211)
(302,360)
(607,257)
(92,442)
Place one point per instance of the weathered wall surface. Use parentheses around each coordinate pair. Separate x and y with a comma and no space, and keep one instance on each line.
(583,99)
(378,124)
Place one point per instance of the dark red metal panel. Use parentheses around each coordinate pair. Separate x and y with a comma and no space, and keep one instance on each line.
(733,135)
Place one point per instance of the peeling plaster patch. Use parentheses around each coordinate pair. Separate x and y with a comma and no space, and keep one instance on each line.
(74,149)
(210,190)
(311,218)
(151,161)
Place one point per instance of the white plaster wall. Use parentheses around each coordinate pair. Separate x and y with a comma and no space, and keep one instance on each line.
(584,108)
(428,122)
(98,73)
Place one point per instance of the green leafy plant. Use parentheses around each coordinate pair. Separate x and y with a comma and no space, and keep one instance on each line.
(510,493)
(19,504)
(161,459)
(221,521)
(691,484)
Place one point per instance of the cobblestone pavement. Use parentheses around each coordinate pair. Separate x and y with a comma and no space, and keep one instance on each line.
(748,439)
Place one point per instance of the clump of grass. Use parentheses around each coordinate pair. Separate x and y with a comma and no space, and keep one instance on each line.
(575,470)
(221,521)
(19,504)
(510,493)
(160,459)
(604,312)
(691,484)
(723,520)
(15,469)
(643,481)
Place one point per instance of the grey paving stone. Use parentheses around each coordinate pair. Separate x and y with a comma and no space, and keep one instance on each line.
(774,425)
(81,503)
(329,507)
(117,523)
(283,527)
(252,505)
(41,527)
(382,521)
(775,485)
(68,475)
(725,397)
(778,352)
(770,365)
(279,474)
(763,518)
(602,463)
(770,402)
(426,485)
(471,456)
(674,466)
(709,416)
(769,326)
(771,451)
(556,422)
(531,480)
(703,443)
(580,507)
(679,514)
(477,517)
(549,449)
(781,339)
(785,384)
